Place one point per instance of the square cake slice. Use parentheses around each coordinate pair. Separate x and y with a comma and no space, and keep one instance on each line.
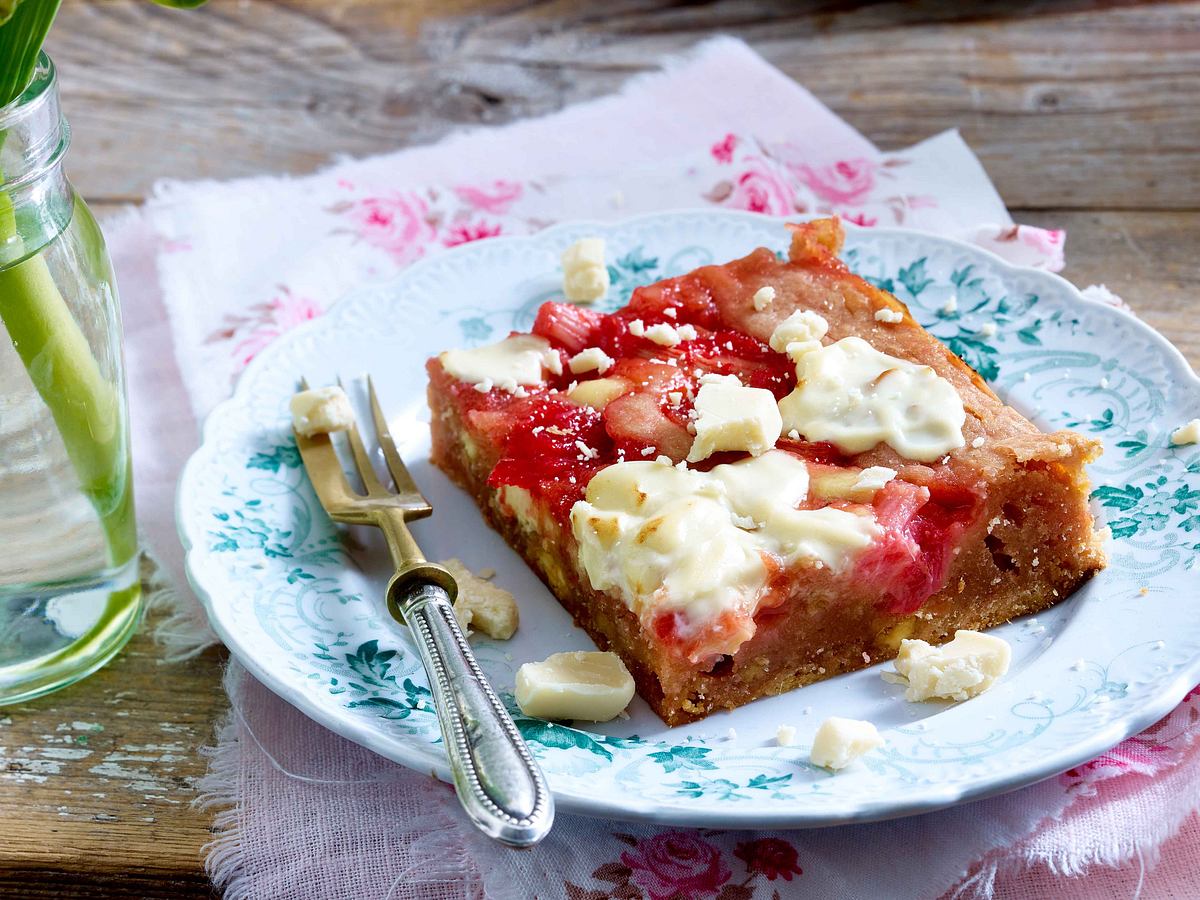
(761,474)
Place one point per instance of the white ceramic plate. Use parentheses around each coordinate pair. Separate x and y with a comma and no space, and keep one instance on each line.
(298,601)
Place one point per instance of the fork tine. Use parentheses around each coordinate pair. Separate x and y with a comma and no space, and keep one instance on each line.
(362,461)
(403,480)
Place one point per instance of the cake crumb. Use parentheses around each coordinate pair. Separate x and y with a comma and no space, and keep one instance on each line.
(950,306)
(988,330)
(1144,591)
(785,735)
(648,451)
(866,657)
(1159,645)
(731,734)
(1025,377)
(793,435)
(1104,382)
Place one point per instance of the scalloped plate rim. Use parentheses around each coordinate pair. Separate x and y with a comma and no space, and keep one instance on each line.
(1167,695)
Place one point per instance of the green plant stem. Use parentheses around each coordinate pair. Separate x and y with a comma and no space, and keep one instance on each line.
(86,407)
(21,39)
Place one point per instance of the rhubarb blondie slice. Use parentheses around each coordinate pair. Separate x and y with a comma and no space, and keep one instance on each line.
(761,474)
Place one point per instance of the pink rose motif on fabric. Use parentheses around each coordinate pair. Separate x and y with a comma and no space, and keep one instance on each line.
(398,223)
(471,231)
(772,857)
(495,198)
(676,864)
(759,188)
(722,150)
(847,182)
(263,323)
(1047,242)
(1158,747)
(1135,755)
(859,219)
(1024,245)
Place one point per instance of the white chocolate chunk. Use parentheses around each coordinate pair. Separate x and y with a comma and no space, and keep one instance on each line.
(581,684)
(889,315)
(482,605)
(662,334)
(516,360)
(1186,434)
(593,359)
(763,298)
(839,742)
(785,735)
(733,417)
(803,328)
(599,392)
(850,394)
(321,411)
(585,274)
(963,668)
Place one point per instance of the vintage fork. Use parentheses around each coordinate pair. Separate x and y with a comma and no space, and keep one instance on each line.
(499,785)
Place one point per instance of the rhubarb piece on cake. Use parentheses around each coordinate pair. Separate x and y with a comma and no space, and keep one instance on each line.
(741,496)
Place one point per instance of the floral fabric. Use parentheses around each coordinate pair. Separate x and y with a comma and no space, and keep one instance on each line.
(239,264)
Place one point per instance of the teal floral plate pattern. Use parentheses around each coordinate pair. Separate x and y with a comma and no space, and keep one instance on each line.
(299,601)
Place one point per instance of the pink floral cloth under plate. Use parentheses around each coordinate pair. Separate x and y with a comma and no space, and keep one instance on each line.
(211,273)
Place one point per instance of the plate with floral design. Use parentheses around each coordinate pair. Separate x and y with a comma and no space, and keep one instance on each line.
(299,600)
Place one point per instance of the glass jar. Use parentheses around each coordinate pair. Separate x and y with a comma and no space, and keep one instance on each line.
(69,589)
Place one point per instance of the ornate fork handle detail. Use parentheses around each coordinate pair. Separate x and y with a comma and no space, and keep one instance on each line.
(499,784)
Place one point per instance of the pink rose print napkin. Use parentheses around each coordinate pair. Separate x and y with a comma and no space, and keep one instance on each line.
(213,272)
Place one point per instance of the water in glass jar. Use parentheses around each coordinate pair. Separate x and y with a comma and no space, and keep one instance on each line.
(69,588)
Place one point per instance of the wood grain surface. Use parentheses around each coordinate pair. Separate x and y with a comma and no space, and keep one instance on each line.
(1084,114)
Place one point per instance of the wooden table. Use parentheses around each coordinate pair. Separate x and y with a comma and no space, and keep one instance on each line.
(1084,113)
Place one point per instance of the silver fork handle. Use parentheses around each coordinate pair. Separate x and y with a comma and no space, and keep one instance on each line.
(498,782)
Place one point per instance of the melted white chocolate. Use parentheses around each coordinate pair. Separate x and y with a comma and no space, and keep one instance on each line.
(666,538)
(854,396)
(516,360)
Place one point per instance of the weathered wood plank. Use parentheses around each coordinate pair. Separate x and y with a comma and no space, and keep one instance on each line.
(97,780)
(1069,105)
(1076,108)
